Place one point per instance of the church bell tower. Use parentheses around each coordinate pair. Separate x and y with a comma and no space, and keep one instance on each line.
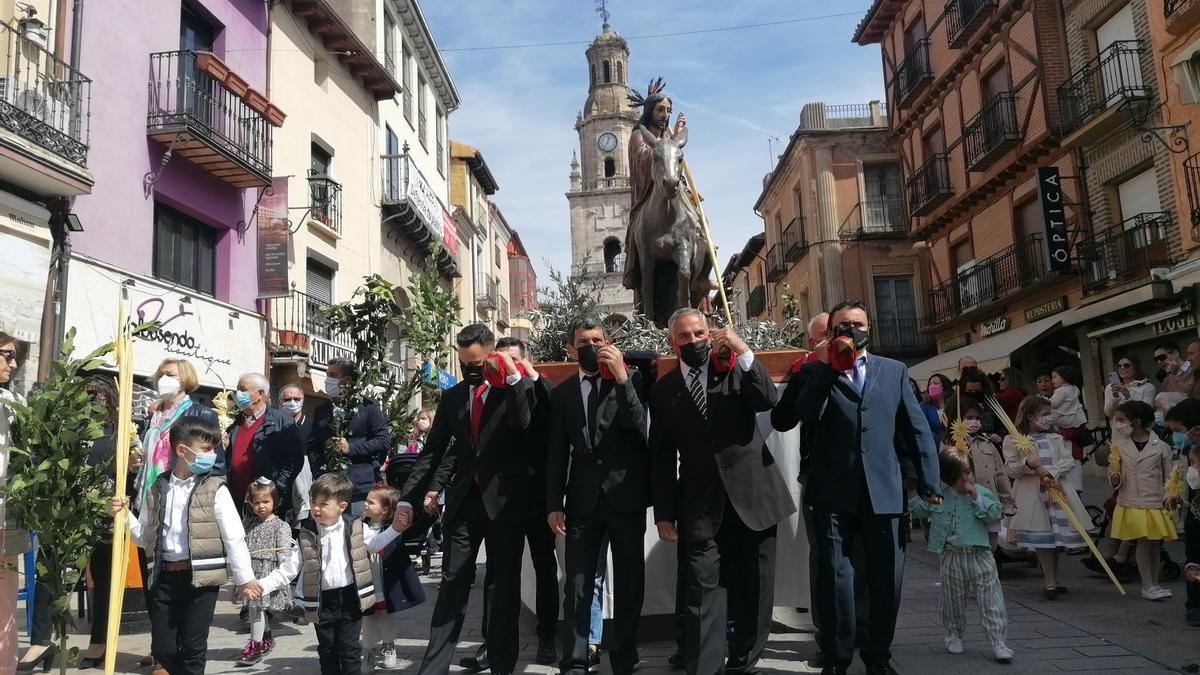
(599,194)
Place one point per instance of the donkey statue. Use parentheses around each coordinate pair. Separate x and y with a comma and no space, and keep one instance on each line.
(665,245)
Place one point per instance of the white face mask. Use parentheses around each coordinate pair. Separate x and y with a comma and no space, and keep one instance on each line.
(167,386)
(423,425)
(292,407)
(1193,478)
(1044,423)
(974,426)
(333,386)
(1123,429)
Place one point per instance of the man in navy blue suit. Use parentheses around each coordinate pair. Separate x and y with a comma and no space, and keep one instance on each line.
(860,422)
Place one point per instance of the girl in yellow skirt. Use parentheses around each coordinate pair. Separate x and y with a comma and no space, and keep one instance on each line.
(1140,465)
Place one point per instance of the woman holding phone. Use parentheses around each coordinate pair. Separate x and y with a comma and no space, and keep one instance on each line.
(1126,383)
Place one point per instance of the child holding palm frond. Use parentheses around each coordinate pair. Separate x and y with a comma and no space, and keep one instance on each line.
(1037,458)
(967,437)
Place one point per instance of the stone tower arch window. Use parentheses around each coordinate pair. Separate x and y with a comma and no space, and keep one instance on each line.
(612,255)
(591,74)
(620,72)
(607,72)
(610,167)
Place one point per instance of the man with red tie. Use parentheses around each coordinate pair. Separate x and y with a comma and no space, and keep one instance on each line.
(477,452)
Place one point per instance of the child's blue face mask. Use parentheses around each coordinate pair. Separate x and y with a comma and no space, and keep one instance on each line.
(1180,440)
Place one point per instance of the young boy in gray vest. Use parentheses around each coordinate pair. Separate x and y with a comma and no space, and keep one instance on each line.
(335,575)
(191,530)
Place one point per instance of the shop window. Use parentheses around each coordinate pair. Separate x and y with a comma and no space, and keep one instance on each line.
(184,250)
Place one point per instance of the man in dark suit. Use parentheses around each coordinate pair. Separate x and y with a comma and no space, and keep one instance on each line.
(539,537)
(855,484)
(599,462)
(728,495)
(477,452)
(367,438)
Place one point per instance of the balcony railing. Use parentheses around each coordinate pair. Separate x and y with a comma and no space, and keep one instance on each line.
(883,215)
(1022,265)
(389,63)
(962,16)
(407,98)
(184,98)
(929,185)
(325,199)
(42,99)
(1169,6)
(1126,253)
(502,316)
(614,265)
(606,183)
(991,131)
(1113,76)
(776,263)
(794,243)
(487,292)
(296,320)
(421,128)
(912,72)
(1191,177)
(441,154)
(899,336)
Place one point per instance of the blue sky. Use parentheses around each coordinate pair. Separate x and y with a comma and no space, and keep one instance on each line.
(737,87)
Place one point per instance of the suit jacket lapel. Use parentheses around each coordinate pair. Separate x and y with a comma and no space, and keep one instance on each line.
(495,398)
(872,367)
(576,422)
(606,411)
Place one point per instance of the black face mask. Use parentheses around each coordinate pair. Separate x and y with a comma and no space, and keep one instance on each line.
(860,337)
(472,375)
(695,354)
(589,358)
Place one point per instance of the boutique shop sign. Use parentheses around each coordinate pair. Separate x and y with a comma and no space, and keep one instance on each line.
(220,340)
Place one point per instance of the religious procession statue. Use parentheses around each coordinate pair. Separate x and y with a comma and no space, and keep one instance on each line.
(667,264)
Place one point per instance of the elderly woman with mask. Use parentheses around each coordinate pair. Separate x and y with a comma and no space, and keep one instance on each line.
(174,381)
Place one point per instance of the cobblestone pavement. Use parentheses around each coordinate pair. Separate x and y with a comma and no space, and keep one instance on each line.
(1091,629)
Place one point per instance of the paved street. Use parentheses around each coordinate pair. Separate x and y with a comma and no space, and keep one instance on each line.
(1093,629)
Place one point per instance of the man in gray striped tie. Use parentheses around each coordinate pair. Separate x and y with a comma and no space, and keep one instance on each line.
(723,503)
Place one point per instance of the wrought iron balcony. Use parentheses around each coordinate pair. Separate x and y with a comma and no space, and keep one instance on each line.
(794,242)
(1126,253)
(777,266)
(1181,15)
(929,185)
(614,265)
(299,331)
(1170,6)
(42,99)
(414,208)
(913,72)
(899,336)
(1022,265)
(1191,177)
(211,121)
(325,199)
(882,215)
(487,292)
(389,64)
(962,16)
(1110,78)
(992,131)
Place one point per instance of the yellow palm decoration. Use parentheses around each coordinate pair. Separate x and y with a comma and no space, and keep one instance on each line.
(1028,448)
(1114,457)
(959,433)
(1174,486)
(223,404)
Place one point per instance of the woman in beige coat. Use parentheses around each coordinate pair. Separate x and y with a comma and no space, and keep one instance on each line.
(1040,523)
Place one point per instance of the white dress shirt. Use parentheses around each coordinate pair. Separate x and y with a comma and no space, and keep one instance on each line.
(335,561)
(744,362)
(173,530)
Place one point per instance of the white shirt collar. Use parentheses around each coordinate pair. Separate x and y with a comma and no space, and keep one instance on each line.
(331,529)
(182,482)
(686,370)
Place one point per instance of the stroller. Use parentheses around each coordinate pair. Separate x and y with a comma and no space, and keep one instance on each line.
(423,538)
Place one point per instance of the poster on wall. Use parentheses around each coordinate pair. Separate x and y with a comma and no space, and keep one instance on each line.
(273,241)
(220,340)
(449,235)
(25,266)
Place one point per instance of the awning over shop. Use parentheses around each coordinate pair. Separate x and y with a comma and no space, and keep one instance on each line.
(1156,290)
(992,354)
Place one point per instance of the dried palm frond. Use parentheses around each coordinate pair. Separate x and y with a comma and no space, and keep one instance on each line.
(959,433)
(1025,445)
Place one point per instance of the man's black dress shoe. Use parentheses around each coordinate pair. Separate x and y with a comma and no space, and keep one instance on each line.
(546,653)
(833,669)
(881,669)
(477,663)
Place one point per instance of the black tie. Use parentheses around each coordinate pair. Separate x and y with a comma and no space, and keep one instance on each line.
(593,406)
